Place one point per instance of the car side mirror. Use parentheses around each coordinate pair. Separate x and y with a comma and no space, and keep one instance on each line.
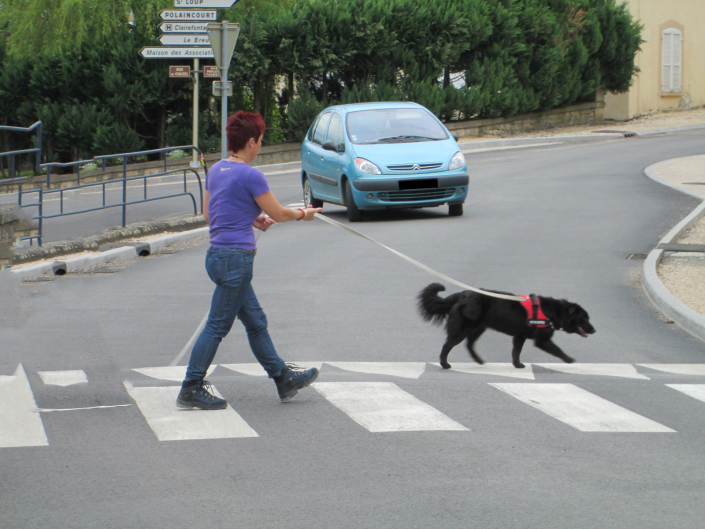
(329,146)
(454,136)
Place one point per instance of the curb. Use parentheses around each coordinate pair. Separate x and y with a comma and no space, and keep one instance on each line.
(123,254)
(656,291)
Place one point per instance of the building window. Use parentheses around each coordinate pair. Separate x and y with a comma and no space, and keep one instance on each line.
(671,63)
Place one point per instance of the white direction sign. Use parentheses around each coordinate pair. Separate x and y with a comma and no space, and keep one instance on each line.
(205,3)
(183,27)
(188,14)
(176,53)
(185,40)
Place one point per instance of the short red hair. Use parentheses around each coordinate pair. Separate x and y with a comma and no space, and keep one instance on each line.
(241,127)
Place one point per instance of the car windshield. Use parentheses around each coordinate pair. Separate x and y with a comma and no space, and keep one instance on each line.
(394,125)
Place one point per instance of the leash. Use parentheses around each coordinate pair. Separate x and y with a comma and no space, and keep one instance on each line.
(414,262)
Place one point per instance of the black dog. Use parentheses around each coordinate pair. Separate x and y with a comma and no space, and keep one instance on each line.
(469,314)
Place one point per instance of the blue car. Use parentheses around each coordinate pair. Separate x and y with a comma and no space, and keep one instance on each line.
(372,156)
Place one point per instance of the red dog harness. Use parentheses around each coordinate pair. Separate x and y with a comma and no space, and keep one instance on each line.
(535,316)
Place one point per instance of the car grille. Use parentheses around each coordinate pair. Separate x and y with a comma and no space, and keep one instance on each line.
(414,167)
(416,195)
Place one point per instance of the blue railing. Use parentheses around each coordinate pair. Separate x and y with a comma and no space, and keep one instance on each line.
(13,154)
(124,186)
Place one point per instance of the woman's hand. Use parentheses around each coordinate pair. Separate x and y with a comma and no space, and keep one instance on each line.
(263,222)
(310,213)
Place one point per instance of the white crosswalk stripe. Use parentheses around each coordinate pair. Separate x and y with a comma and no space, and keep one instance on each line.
(394,369)
(678,369)
(170,423)
(20,423)
(384,407)
(580,408)
(499,369)
(697,391)
(63,378)
(609,370)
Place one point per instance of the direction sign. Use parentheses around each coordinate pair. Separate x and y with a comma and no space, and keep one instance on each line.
(176,53)
(188,14)
(185,40)
(183,27)
(215,32)
(218,4)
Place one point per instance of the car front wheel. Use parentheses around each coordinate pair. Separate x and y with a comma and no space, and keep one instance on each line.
(354,214)
(455,210)
(309,200)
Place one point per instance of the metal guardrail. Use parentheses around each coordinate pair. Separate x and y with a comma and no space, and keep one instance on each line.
(13,154)
(41,194)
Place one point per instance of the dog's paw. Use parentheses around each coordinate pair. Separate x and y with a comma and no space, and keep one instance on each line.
(568,360)
(519,365)
(445,365)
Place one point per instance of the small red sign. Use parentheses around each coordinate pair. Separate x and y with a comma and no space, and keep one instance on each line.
(179,71)
(211,71)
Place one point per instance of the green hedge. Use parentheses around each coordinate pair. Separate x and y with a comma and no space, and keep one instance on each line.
(515,56)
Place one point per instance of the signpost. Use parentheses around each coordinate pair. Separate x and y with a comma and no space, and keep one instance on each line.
(223,37)
(216,41)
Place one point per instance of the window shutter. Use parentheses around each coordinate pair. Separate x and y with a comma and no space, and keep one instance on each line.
(676,47)
(671,60)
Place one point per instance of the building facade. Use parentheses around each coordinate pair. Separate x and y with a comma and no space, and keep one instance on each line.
(671,60)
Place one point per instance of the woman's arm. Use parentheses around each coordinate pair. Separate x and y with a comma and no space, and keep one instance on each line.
(271,206)
(206,198)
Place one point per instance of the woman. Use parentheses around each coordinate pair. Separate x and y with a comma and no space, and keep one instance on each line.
(235,197)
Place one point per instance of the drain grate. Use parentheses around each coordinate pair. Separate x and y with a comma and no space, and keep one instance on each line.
(636,256)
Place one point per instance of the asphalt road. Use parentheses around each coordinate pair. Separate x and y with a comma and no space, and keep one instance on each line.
(492,451)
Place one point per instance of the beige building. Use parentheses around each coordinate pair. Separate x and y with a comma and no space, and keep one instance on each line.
(672,60)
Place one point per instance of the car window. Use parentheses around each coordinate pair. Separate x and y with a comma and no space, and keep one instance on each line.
(320,134)
(313,128)
(394,125)
(335,132)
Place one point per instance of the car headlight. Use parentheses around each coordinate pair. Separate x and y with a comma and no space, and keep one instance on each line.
(457,161)
(366,166)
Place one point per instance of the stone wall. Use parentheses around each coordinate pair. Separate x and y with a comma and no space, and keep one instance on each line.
(14,225)
(582,114)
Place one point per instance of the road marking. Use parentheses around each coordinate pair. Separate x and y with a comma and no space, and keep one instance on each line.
(678,369)
(20,424)
(63,378)
(256,370)
(170,423)
(580,409)
(384,407)
(171,373)
(697,391)
(46,410)
(395,369)
(496,369)
(610,370)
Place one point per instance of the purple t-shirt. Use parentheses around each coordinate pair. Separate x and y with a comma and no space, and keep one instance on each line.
(232,209)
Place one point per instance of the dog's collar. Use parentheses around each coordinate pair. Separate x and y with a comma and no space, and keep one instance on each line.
(535,316)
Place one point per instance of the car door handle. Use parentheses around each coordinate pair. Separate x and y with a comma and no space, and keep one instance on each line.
(321,157)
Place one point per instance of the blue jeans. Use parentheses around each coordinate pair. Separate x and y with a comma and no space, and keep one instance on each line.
(231,270)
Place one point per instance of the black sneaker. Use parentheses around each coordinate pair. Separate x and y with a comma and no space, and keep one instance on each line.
(198,396)
(292,379)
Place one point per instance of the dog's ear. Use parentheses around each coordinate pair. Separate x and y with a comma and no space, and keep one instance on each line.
(472,309)
(571,310)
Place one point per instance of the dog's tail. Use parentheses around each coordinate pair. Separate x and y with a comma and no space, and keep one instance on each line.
(431,306)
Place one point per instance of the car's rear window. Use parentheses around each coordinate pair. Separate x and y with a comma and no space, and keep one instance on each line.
(394,125)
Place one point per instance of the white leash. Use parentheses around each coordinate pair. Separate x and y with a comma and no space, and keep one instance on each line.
(416,263)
